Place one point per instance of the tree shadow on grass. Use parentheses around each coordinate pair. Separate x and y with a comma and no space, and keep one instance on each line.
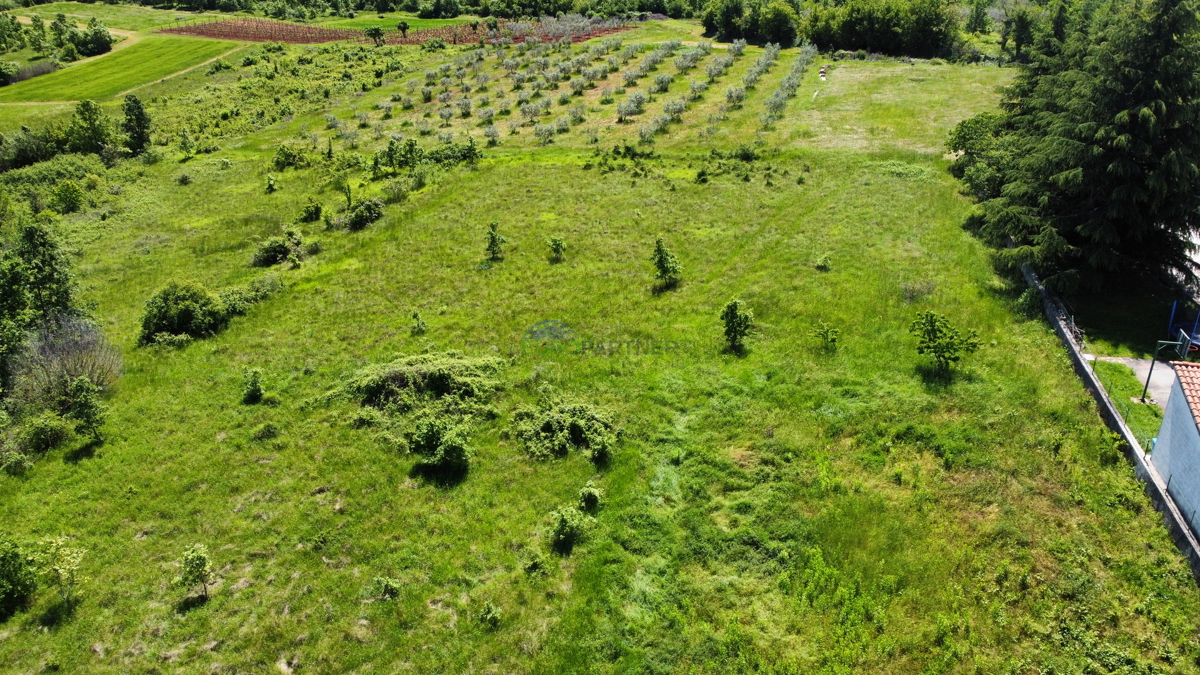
(438,475)
(664,286)
(56,614)
(81,452)
(190,602)
(939,380)
(739,351)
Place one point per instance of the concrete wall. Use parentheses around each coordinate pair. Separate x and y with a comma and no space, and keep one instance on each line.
(1177,455)
(1156,486)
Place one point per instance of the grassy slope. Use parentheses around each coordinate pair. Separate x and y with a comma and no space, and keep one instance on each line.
(1001,533)
(152,58)
(123,17)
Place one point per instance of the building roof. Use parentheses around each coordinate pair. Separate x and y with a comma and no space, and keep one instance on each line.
(1189,380)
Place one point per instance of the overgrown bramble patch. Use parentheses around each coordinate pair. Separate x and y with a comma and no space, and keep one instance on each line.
(552,432)
(426,375)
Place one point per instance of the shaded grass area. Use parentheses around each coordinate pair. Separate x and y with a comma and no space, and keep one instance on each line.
(1129,317)
(795,509)
(1123,386)
(152,58)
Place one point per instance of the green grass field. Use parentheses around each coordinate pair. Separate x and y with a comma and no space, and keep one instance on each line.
(795,508)
(121,17)
(152,58)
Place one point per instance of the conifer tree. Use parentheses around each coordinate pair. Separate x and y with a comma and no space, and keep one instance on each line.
(1104,129)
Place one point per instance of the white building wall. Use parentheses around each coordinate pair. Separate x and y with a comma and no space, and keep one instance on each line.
(1177,456)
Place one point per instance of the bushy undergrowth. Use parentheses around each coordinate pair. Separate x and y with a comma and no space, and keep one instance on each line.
(18,577)
(403,381)
(187,308)
(441,442)
(553,431)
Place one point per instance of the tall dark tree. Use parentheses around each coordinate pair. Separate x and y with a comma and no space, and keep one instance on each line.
(46,269)
(1104,129)
(136,125)
(90,129)
(1022,30)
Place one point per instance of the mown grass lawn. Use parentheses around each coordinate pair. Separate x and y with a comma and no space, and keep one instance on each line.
(152,58)
(795,508)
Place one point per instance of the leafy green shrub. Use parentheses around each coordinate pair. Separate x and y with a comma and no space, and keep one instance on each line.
(8,72)
(44,432)
(238,299)
(441,442)
(567,528)
(737,325)
(182,308)
(554,431)
(941,340)
(287,156)
(195,568)
(386,588)
(14,462)
(69,197)
(85,408)
(59,566)
(431,375)
(534,562)
(364,213)
(489,616)
(589,497)
(495,243)
(666,266)
(252,389)
(277,249)
(826,335)
(418,325)
(823,263)
(558,248)
(18,577)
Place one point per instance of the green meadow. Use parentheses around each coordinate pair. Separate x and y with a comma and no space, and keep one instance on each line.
(822,501)
(152,58)
(121,17)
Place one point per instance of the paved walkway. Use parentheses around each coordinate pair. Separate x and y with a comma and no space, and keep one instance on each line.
(1160,384)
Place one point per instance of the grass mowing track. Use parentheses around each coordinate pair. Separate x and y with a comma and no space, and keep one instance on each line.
(791,510)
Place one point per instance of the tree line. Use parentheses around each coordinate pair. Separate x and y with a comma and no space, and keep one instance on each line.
(1092,168)
(62,40)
